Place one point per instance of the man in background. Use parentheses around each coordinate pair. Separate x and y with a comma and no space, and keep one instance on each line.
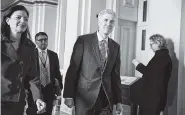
(48,67)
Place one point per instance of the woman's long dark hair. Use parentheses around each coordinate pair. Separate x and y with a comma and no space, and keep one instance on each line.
(5,28)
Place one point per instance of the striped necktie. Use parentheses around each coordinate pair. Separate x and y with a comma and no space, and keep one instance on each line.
(103,50)
(44,72)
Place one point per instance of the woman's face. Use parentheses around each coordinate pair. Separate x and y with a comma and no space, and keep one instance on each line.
(18,21)
(154,45)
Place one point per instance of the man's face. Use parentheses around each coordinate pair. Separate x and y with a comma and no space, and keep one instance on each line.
(42,42)
(106,23)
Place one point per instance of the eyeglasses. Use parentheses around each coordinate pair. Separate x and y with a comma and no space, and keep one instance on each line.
(40,40)
(152,43)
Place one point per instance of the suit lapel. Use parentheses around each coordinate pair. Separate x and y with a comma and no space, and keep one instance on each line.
(37,59)
(95,47)
(9,51)
(96,51)
(50,62)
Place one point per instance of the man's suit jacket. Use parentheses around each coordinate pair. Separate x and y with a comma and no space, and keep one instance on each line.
(54,72)
(49,91)
(84,76)
(153,84)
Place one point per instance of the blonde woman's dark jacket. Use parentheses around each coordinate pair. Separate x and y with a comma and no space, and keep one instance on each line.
(153,92)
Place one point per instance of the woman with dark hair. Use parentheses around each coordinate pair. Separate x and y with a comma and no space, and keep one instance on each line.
(18,65)
(152,94)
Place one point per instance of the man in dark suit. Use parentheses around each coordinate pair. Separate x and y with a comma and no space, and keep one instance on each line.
(48,67)
(92,82)
(152,91)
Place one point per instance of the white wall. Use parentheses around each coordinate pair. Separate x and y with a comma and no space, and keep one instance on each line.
(166,20)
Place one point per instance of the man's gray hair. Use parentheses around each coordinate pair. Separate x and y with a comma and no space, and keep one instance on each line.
(108,11)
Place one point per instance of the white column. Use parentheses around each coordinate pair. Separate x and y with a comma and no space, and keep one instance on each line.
(36,21)
(181,85)
(71,30)
(85,17)
(70,35)
(60,30)
(44,15)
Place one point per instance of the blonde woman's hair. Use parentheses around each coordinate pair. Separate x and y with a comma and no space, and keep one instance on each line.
(160,39)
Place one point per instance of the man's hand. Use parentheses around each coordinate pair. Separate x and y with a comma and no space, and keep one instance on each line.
(69,102)
(40,106)
(119,108)
(135,62)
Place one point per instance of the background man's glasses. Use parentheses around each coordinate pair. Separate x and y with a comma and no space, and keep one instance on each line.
(42,40)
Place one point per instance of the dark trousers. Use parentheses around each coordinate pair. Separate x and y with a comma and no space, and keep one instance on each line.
(148,112)
(32,109)
(48,98)
(105,111)
(12,108)
(101,107)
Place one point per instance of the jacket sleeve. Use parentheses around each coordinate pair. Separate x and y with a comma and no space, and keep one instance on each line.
(73,69)
(34,80)
(158,71)
(116,80)
(58,74)
(141,68)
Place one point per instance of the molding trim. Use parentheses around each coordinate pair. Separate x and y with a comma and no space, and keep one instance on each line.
(129,3)
(30,2)
(61,28)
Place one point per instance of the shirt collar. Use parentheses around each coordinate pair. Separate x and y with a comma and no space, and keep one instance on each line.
(100,38)
(41,50)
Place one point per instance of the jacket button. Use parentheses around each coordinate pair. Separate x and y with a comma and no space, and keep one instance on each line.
(9,86)
(21,63)
(19,75)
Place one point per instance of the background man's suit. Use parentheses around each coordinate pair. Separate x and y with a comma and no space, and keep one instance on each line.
(85,77)
(50,90)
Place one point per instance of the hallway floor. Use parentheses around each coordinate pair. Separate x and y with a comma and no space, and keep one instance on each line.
(126,111)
